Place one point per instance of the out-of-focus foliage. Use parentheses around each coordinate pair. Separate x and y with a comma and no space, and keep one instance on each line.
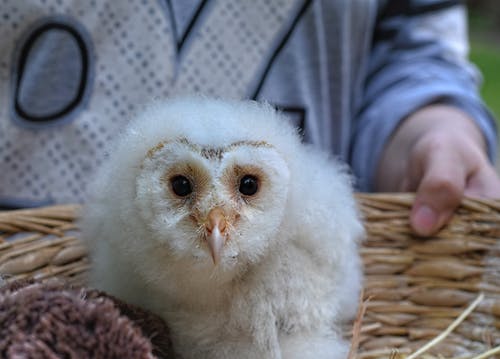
(487,59)
(484,25)
(487,11)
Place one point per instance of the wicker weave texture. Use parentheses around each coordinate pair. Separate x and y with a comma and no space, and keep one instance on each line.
(415,287)
(42,243)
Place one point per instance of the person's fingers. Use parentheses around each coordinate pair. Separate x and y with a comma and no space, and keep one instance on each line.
(485,183)
(439,153)
(442,174)
(439,178)
(438,194)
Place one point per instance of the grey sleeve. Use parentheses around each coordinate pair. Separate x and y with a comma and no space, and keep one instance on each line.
(419,57)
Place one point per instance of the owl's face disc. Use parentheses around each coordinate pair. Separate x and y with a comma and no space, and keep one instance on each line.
(219,206)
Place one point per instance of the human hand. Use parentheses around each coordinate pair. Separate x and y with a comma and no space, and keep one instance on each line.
(440,153)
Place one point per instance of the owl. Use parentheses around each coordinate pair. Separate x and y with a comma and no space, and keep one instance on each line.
(214,215)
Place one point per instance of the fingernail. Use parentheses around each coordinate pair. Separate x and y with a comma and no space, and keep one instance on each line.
(425,220)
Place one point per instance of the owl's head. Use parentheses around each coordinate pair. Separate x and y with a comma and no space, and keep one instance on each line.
(208,179)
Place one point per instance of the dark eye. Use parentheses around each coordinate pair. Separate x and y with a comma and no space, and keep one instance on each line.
(249,185)
(181,186)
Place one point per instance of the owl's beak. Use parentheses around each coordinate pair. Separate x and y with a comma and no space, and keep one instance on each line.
(216,229)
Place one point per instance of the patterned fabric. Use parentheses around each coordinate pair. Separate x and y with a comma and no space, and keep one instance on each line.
(73,72)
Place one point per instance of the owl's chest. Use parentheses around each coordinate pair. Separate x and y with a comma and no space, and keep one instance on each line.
(282,296)
(217,334)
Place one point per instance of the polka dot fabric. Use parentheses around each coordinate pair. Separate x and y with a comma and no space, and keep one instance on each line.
(54,163)
(227,65)
(134,56)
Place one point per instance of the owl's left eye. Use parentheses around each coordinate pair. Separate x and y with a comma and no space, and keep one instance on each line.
(181,186)
(249,185)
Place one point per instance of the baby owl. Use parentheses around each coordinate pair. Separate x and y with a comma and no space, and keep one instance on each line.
(215,216)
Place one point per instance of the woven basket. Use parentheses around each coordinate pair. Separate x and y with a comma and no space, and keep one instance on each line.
(416,287)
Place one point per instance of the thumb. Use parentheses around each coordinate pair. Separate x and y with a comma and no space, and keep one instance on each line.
(438,194)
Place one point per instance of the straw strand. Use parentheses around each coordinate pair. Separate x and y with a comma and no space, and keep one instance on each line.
(452,327)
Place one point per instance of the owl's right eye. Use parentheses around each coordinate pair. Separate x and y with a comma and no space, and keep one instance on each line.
(181,186)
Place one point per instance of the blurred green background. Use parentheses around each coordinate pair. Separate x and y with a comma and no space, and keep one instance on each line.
(484,31)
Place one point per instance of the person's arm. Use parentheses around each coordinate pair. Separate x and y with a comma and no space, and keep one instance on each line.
(422,119)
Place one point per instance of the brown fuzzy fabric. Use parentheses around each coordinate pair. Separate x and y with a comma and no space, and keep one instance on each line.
(152,326)
(52,320)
